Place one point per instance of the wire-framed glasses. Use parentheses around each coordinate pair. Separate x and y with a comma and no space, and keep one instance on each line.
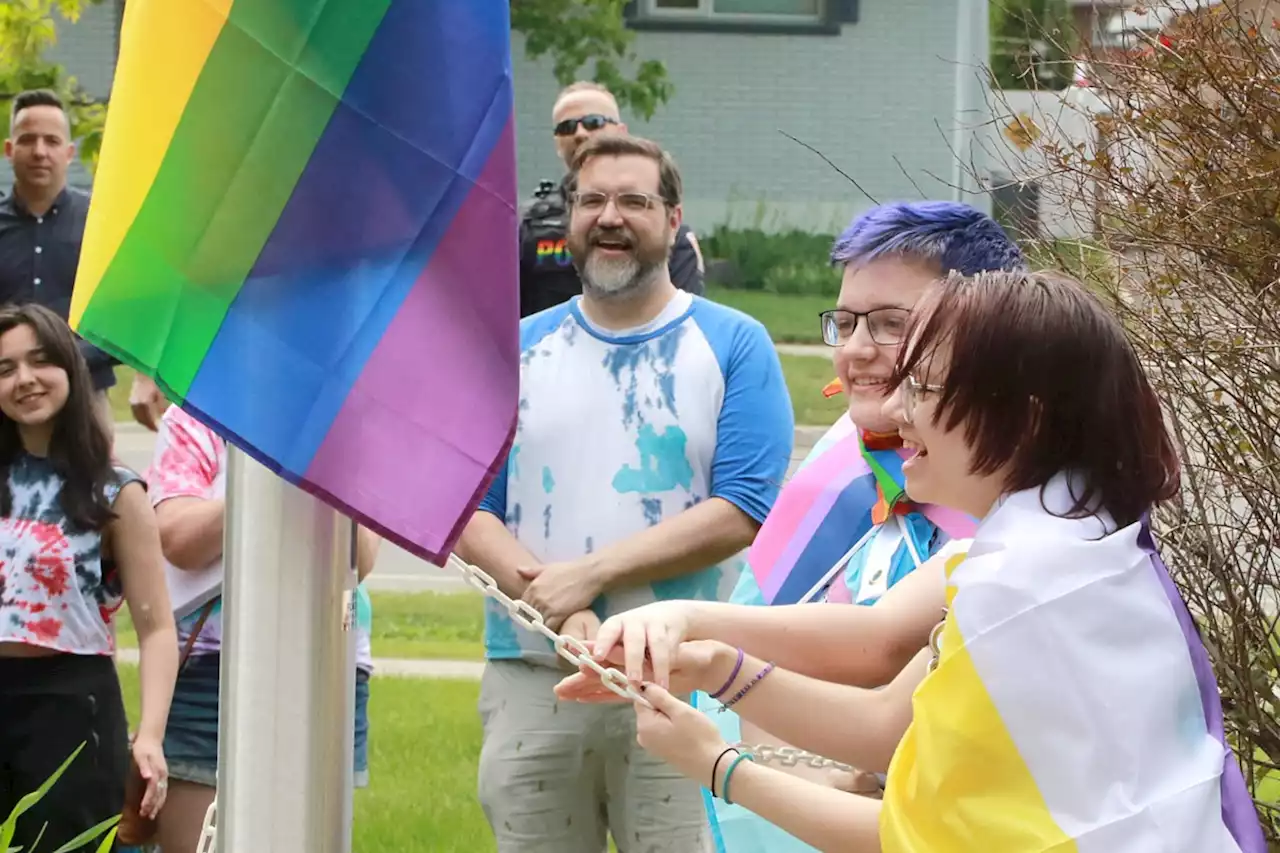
(887,326)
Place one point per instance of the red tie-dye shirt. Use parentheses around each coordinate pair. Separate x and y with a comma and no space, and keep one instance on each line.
(54,590)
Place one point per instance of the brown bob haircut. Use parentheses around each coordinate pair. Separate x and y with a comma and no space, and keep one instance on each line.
(1043,381)
(670,187)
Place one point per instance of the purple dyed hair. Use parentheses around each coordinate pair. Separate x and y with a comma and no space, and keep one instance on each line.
(954,236)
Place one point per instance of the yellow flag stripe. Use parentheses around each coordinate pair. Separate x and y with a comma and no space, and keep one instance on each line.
(957,783)
(164,45)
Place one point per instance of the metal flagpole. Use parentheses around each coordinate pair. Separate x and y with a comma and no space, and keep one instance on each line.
(288,673)
(972,101)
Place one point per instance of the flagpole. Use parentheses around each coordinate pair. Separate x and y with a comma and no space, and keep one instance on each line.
(288,675)
(972,101)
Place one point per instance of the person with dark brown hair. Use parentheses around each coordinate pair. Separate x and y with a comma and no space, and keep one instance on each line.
(1065,699)
(77,539)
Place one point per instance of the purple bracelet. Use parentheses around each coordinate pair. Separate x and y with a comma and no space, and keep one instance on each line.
(737,666)
(743,692)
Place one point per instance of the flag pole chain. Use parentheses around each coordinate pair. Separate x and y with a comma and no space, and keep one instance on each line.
(574,651)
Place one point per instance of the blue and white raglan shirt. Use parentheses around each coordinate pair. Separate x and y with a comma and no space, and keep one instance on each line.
(619,430)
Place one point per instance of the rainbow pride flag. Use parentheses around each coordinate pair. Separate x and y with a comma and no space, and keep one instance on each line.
(1073,708)
(826,507)
(304,228)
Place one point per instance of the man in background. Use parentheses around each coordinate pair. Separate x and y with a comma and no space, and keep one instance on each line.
(547,274)
(41,230)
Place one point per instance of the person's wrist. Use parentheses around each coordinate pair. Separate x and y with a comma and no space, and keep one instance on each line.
(722,663)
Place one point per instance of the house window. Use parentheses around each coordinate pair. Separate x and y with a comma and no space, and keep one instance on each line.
(733,11)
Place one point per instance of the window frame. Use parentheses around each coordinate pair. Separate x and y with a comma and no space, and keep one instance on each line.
(832,14)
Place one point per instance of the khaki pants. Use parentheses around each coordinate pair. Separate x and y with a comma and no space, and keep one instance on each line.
(556,776)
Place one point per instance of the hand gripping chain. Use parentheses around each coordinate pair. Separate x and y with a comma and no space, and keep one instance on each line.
(572,650)
(616,681)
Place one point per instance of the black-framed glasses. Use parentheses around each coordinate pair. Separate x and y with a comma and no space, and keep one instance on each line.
(912,391)
(593,121)
(887,326)
(594,201)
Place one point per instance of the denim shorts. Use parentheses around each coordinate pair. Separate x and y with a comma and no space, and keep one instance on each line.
(191,737)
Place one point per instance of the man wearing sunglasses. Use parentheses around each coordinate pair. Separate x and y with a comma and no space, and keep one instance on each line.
(547,274)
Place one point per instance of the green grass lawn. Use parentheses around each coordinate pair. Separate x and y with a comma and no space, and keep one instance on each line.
(421,625)
(789,319)
(806,376)
(424,742)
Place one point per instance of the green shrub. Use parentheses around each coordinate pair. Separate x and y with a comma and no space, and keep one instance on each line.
(750,255)
(803,279)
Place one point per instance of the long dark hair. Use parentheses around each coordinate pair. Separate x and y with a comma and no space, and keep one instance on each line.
(1043,380)
(79,449)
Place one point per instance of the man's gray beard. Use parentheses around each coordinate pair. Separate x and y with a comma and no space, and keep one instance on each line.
(609,279)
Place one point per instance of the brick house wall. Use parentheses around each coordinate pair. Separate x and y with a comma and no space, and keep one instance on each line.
(881,88)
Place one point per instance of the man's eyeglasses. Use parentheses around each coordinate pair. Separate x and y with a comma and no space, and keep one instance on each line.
(591,122)
(912,391)
(887,326)
(629,202)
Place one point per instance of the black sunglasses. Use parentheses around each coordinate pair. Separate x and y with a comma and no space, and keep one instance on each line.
(595,121)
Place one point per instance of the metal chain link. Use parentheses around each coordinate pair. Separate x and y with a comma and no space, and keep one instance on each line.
(524,614)
(572,650)
(789,756)
(209,832)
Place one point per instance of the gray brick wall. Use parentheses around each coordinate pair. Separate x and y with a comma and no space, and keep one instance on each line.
(883,87)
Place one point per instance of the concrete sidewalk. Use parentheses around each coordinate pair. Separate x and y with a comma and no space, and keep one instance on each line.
(396,667)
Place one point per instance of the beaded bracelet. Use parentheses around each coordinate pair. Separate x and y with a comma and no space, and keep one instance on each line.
(728,774)
(743,692)
(732,676)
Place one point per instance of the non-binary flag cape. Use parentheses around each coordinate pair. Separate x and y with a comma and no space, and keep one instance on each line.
(1073,708)
(304,228)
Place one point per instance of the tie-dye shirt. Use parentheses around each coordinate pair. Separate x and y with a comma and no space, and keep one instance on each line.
(191,461)
(620,430)
(54,592)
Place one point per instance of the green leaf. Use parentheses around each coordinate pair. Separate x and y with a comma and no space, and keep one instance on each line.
(10,826)
(91,834)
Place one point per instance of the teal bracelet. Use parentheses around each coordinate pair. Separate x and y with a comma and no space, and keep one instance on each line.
(744,756)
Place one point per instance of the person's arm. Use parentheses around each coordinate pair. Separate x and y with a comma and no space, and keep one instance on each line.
(487,543)
(135,546)
(367,545)
(841,643)
(819,815)
(685,266)
(191,531)
(824,727)
(701,536)
(180,481)
(686,739)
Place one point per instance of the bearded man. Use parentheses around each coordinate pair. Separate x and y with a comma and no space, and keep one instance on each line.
(654,430)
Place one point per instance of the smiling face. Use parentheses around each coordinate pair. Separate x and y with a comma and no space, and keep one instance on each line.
(620,231)
(861,364)
(941,469)
(33,389)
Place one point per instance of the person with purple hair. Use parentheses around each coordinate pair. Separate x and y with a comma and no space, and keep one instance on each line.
(890,256)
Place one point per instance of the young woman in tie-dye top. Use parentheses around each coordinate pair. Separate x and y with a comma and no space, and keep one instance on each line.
(187,486)
(77,537)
